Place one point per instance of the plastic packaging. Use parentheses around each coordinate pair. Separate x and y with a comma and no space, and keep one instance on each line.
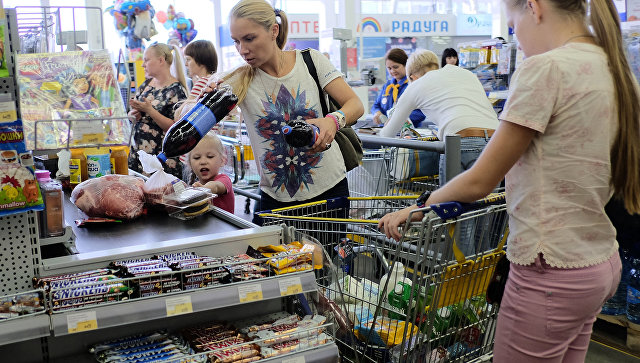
(394,276)
(399,300)
(77,167)
(300,134)
(184,135)
(160,185)
(70,85)
(51,219)
(19,190)
(119,160)
(98,162)
(114,196)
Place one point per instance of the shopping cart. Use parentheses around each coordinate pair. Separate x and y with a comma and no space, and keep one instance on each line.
(440,312)
(399,167)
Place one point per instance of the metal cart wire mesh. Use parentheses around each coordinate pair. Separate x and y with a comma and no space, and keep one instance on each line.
(402,167)
(438,311)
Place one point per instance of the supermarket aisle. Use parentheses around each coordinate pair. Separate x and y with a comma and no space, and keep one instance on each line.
(608,345)
(601,353)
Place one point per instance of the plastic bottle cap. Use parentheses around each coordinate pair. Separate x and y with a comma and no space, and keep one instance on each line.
(43,174)
(398,289)
(444,312)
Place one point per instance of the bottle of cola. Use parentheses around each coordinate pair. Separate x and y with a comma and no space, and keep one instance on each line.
(299,133)
(185,134)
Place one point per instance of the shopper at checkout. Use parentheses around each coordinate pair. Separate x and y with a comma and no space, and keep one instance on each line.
(568,140)
(153,105)
(395,61)
(449,56)
(275,87)
(201,61)
(453,98)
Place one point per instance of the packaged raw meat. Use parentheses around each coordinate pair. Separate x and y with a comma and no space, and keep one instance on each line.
(115,196)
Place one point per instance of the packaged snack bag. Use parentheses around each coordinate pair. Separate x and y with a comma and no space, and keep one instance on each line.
(19,191)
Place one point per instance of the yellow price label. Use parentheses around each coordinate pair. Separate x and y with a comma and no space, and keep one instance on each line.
(290,286)
(8,116)
(92,138)
(179,305)
(84,321)
(249,293)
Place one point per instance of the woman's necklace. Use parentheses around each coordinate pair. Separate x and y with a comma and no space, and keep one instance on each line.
(281,66)
(578,36)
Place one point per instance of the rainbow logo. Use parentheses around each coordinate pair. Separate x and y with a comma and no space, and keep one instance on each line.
(369,24)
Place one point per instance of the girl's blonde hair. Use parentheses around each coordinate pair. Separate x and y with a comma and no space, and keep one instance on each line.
(260,12)
(189,175)
(165,51)
(421,61)
(625,151)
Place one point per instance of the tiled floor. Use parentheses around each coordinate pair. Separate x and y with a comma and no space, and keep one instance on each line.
(608,340)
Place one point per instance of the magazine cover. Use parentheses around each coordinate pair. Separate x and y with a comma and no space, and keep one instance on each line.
(64,98)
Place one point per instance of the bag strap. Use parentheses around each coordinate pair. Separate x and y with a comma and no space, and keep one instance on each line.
(306,55)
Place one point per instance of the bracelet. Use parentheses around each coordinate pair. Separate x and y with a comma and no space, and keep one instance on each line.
(342,121)
(422,199)
(335,119)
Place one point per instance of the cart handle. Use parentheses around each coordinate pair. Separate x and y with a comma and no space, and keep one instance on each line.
(447,210)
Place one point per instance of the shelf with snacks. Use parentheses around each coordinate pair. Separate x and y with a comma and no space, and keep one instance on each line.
(178,303)
(274,337)
(23,317)
(113,288)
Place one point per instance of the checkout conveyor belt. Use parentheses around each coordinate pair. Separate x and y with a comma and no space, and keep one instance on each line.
(155,226)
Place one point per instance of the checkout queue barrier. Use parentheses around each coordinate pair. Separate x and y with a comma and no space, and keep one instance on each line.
(52,334)
(440,313)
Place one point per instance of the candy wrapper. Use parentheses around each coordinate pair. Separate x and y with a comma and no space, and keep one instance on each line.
(385,331)
(19,191)
(67,86)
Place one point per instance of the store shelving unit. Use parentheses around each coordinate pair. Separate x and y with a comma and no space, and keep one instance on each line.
(160,307)
(24,328)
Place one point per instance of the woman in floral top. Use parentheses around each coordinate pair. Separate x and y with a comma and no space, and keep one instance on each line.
(153,105)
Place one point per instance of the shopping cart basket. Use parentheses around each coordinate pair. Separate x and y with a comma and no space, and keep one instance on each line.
(443,311)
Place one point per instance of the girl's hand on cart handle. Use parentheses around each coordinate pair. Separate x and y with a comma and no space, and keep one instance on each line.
(328,131)
(390,223)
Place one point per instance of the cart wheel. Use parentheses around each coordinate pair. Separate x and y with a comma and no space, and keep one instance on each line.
(247,206)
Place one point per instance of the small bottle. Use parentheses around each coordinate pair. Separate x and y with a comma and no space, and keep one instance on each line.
(77,167)
(184,135)
(394,276)
(119,160)
(300,133)
(399,299)
(51,219)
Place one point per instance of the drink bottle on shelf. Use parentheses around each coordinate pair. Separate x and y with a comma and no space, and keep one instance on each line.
(185,134)
(299,133)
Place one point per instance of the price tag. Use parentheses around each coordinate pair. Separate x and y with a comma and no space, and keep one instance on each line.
(290,286)
(8,112)
(179,305)
(294,360)
(249,293)
(83,321)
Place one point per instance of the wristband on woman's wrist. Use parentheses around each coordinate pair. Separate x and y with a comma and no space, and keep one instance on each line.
(342,121)
(422,199)
(335,119)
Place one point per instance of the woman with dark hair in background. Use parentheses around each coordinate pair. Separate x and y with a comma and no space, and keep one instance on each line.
(201,60)
(395,61)
(449,56)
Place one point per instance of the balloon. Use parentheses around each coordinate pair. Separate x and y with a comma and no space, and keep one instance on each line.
(171,12)
(168,24)
(161,16)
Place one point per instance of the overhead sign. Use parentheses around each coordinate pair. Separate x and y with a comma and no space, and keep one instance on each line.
(425,25)
(303,26)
